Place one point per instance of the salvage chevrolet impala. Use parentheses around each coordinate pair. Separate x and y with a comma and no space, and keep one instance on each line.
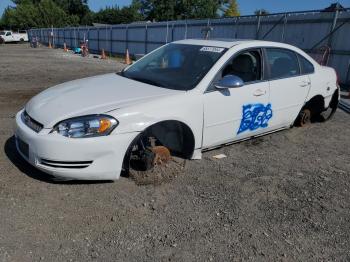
(181,99)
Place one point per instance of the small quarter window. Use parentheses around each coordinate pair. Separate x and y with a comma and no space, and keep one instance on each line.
(283,63)
(306,66)
(8,33)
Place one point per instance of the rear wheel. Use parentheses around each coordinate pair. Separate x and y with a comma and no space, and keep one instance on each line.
(333,105)
(315,111)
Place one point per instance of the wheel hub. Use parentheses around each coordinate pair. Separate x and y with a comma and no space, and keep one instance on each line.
(161,155)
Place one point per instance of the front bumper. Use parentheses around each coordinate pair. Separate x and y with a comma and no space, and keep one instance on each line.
(98,158)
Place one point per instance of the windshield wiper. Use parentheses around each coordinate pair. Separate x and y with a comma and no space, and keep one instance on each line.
(147,81)
(121,73)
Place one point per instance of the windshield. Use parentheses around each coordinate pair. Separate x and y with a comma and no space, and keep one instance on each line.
(2,33)
(175,66)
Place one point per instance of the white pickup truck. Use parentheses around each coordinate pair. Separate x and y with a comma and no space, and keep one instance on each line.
(9,36)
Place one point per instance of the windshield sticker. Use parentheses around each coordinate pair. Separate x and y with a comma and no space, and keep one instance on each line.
(212,49)
(255,116)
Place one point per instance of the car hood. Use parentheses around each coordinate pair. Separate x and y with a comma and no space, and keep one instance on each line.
(93,95)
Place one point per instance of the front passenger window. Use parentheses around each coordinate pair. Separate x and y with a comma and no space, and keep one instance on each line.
(246,65)
(283,63)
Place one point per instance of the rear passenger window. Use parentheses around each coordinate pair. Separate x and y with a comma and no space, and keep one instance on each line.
(283,63)
(306,66)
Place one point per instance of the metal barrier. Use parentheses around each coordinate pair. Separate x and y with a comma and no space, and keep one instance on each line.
(309,30)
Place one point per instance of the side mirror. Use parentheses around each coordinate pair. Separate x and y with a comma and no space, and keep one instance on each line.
(229,81)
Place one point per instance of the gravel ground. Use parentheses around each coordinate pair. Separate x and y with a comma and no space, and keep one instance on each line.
(285,196)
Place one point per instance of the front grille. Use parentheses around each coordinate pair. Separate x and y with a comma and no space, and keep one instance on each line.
(66,164)
(31,123)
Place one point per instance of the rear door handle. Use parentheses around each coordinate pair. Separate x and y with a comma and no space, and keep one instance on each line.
(259,92)
(305,83)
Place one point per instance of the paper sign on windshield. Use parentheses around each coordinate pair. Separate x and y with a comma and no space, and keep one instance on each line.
(212,49)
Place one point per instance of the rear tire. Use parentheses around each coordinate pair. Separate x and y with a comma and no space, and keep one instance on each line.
(333,106)
(315,111)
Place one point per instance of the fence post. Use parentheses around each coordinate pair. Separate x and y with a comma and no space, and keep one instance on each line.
(88,33)
(236,26)
(335,20)
(172,32)
(111,40)
(284,27)
(105,46)
(146,38)
(70,37)
(98,39)
(167,32)
(127,37)
(258,25)
(53,38)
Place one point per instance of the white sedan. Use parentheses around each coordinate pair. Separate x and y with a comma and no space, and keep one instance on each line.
(181,99)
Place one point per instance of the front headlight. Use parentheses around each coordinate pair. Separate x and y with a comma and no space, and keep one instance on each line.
(86,126)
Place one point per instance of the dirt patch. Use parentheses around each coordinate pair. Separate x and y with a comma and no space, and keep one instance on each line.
(160,174)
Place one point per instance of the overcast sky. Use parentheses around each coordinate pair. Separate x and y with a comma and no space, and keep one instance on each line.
(247,7)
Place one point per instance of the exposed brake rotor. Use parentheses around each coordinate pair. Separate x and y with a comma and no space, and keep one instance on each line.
(153,164)
(161,155)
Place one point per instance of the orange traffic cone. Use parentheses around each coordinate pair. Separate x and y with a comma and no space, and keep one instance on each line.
(65,47)
(103,54)
(127,58)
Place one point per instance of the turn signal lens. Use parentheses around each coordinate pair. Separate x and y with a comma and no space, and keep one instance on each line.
(105,124)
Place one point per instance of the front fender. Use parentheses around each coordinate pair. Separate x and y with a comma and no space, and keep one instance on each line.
(186,109)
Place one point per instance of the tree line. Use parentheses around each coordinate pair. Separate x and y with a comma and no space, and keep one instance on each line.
(61,13)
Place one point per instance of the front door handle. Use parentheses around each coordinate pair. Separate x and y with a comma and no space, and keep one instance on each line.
(259,92)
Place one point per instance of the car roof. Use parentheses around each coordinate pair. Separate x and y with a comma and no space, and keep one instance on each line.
(231,42)
(227,42)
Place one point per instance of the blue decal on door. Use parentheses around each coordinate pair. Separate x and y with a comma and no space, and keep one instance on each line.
(255,116)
